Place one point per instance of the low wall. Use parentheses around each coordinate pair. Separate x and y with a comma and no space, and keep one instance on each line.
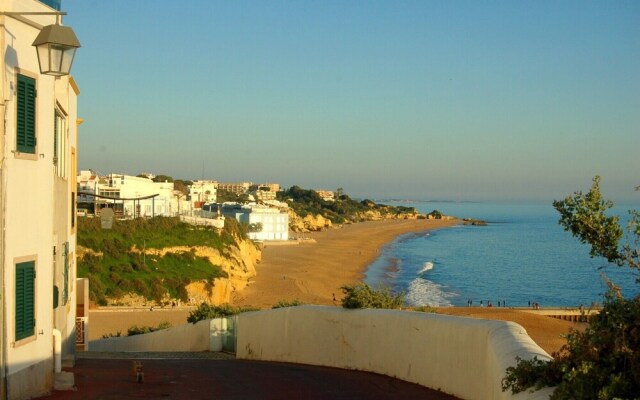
(465,357)
(207,335)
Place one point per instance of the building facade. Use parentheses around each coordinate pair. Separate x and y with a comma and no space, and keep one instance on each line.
(203,191)
(235,187)
(264,222)
(38,150)
(129,196)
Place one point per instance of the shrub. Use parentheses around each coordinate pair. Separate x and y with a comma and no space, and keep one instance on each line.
(426,309)
(603,362)
(208,311)
(286,303)
(363,296)
(135,330)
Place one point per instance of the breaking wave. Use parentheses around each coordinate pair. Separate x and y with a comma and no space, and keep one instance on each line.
(428,266)
(423,292)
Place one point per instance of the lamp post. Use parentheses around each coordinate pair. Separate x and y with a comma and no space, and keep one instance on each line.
(55,44)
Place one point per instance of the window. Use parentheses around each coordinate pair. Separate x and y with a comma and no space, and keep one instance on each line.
(65,291)
(25,299)
(26,115)
(60,143)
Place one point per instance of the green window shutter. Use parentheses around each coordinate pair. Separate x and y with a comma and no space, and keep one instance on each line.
(25,299)
(26,118)
(65,290)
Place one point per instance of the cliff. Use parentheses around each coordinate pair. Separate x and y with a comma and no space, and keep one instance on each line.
(239,263)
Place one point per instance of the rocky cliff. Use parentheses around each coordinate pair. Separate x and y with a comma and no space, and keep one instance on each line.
(238,262)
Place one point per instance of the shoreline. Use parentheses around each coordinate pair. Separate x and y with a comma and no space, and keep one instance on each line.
(313,271)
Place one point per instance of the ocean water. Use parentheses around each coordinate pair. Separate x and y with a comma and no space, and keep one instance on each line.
(522,256)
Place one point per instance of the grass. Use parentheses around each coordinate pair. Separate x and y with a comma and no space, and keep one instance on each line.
(121,270)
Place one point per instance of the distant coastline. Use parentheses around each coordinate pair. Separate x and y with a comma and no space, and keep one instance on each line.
(384,200)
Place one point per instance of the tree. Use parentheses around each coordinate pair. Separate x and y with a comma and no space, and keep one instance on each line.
(603,361)
(163,178)
(182,186)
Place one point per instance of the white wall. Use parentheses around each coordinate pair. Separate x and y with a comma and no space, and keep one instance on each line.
(465,357)
(205,335)
(462,356)
(28,203)
(275,225)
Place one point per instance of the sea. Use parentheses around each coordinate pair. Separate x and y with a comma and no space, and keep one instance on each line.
(521,257)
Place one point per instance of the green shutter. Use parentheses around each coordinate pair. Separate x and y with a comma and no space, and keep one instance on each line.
(65,290)
(26,118)
(25,299)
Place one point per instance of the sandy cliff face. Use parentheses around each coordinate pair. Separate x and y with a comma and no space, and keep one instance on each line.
(238,262)
(307,224)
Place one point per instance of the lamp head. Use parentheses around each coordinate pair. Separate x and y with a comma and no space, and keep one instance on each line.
(56,46)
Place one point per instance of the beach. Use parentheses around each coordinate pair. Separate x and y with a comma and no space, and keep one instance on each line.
(314,270)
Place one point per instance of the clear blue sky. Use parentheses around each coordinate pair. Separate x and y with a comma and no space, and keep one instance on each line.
(461,100)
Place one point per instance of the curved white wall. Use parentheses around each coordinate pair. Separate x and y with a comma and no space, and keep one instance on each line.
(205,335)
(465,357)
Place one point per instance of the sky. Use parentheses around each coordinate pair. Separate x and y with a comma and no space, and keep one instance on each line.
(431,100)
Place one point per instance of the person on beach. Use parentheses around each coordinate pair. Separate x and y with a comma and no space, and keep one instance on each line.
(481,305)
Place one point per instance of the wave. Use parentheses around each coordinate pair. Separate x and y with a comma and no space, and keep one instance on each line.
(426,293)
(428,266)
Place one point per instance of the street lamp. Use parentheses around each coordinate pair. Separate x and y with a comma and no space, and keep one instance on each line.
(56,46)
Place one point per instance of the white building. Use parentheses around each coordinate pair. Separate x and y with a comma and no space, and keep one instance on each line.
(87,183)
(203,191)
(265,223)
(38,150)
(132,196)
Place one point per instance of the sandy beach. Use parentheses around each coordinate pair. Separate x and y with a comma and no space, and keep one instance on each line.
(314,270)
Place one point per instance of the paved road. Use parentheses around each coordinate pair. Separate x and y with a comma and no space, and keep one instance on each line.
(195,376)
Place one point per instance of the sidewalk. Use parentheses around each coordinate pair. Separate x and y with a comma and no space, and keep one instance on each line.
(195,376)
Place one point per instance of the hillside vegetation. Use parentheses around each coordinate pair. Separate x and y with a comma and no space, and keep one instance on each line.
(342,210)
(117,262)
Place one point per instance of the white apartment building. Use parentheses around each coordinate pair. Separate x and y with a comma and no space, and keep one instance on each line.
(273,223)
(38,155)
(235,187)
(204,191)
(133,197)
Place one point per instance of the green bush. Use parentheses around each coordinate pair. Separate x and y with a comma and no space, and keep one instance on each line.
(135,330)
(208,311)
(363,296)
(603,361)
(287,303)
(425,309)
